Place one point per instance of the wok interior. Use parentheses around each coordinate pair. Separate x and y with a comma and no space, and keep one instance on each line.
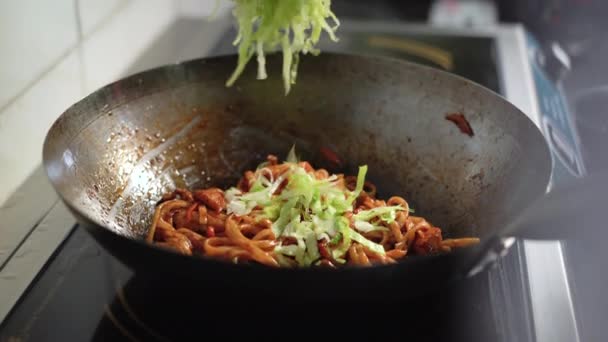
(112,155)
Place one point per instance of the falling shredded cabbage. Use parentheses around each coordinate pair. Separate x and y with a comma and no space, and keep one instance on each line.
(294,26)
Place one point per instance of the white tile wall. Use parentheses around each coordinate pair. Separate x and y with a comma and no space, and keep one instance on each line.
(44,70)
(94,12)
(111,49)
(201,8)
(34,35)
(24,123)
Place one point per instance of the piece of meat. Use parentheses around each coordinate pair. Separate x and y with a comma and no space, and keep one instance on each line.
(180,220)
(167,197)
(197,240)
(272,159)
(461,122)
(217,221)
(177,242)
(162,233)
(184,194)
(213,198)
(427,241)
(246,181)
(306,166)
(190,211)
(278,169)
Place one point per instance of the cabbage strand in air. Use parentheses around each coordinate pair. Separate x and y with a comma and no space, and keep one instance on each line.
(293,25)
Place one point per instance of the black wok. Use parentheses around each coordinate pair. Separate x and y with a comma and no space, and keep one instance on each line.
(113,154)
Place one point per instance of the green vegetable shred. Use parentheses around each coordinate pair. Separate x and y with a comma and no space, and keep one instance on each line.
(294,26)
(308,211)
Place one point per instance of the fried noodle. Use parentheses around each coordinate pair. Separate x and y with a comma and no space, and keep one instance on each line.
(291,215)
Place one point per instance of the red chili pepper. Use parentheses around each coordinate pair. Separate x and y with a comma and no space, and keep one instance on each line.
(210,232)
(323,250)
(330,156)
(326,253)
(461,122)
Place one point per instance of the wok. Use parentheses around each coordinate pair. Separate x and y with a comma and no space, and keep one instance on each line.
(113,154)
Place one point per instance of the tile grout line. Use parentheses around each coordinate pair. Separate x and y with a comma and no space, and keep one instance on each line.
(80,51)
(44,239)
(12,254)
(46,71)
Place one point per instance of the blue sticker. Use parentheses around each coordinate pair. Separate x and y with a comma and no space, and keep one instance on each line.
(556,120)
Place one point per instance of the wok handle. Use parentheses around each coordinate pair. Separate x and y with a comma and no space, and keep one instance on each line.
(577,210)
(486,255)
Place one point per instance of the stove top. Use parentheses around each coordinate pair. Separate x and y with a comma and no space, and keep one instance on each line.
(83,293)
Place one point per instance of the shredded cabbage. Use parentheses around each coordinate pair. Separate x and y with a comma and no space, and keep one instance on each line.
(372,246)
(366,227)
(272,211)
(285,216)
(312,250)
(386,214)
(291,156)
(345,233)
(293,25)
(360,184)
(309,210)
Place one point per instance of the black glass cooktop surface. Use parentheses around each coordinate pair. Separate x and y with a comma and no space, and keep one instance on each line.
(84,294)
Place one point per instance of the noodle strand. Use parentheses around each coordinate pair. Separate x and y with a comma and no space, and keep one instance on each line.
(199,223)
